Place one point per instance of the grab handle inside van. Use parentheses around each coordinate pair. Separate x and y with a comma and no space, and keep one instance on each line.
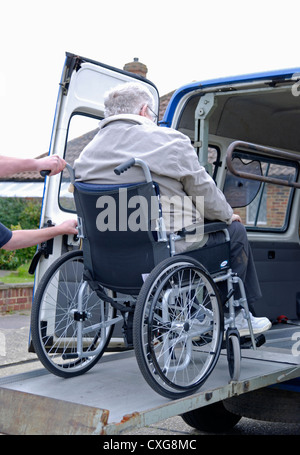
(266,151)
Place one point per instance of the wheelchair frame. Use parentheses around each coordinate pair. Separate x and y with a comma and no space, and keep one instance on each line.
(177,329)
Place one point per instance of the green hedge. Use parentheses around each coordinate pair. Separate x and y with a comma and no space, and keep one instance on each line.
(18,213)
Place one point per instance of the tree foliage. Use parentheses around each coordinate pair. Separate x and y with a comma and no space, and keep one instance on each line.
(18,213)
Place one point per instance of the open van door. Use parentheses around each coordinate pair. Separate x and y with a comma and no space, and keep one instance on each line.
(245,131)
(80,107)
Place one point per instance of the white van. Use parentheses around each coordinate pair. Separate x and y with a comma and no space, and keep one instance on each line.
(246,133)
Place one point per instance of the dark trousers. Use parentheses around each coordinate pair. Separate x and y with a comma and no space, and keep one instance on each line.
(241,259)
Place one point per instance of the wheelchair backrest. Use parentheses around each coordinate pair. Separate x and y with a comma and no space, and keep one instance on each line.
(118,230)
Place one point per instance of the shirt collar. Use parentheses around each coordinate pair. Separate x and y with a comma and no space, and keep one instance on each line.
(126,117)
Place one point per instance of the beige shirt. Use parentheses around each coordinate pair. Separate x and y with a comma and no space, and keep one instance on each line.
(173,163)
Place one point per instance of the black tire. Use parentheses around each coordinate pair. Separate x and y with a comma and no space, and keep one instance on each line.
(271,404)
(54,319)
(178,327)
(212,418)
(233,356)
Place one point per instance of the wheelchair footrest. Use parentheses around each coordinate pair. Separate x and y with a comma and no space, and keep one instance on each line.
(246,342)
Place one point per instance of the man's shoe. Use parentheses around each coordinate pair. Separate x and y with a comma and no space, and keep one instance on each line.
(259,325)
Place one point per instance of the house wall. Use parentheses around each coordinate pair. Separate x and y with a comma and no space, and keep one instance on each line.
(15,297)
(276,208)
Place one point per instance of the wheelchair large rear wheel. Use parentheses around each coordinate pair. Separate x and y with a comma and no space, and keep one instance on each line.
(178,327)
(69,342)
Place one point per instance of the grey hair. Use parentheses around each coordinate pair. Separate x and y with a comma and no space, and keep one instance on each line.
(127,98)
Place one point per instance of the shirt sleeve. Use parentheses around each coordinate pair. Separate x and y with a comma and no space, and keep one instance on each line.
(5,235)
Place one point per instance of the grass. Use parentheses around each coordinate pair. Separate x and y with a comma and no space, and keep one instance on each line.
(20,275)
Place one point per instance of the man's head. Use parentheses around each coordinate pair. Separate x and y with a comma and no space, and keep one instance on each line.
(129,98)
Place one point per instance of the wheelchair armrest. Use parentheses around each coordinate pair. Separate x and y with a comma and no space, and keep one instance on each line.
(209,227)
(214,226)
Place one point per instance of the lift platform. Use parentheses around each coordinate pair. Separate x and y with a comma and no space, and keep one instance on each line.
(113,398)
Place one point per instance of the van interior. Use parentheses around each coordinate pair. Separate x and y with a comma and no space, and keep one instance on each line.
(267,115)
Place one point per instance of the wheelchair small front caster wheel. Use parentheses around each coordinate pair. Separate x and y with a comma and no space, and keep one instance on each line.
(233,353)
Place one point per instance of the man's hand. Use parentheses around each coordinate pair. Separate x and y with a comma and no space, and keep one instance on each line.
(236,217)
(53,163)
(68,227)
(25,238)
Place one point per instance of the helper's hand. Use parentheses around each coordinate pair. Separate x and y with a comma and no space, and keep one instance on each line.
(53,163)
(67,227)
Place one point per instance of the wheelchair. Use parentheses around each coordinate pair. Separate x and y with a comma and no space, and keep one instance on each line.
(169,303)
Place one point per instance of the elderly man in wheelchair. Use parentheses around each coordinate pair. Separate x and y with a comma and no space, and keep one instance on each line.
(168,286)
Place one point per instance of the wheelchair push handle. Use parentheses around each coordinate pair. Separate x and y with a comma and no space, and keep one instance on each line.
(45,173)
(134,162)
(124,166)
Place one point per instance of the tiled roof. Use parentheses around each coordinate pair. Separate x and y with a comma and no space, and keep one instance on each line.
(29,176)
(74,148)
(163,103)
(23,177)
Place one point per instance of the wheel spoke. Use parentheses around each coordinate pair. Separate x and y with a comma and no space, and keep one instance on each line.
(180,316)
(56,319)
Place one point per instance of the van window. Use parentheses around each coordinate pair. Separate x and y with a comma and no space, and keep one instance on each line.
(214,160)
(82,129)
(262,206)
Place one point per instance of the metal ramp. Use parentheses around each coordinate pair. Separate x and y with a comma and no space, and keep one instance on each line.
(113,397)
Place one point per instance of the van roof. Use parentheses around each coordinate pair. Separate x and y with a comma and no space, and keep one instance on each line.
(273,77)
